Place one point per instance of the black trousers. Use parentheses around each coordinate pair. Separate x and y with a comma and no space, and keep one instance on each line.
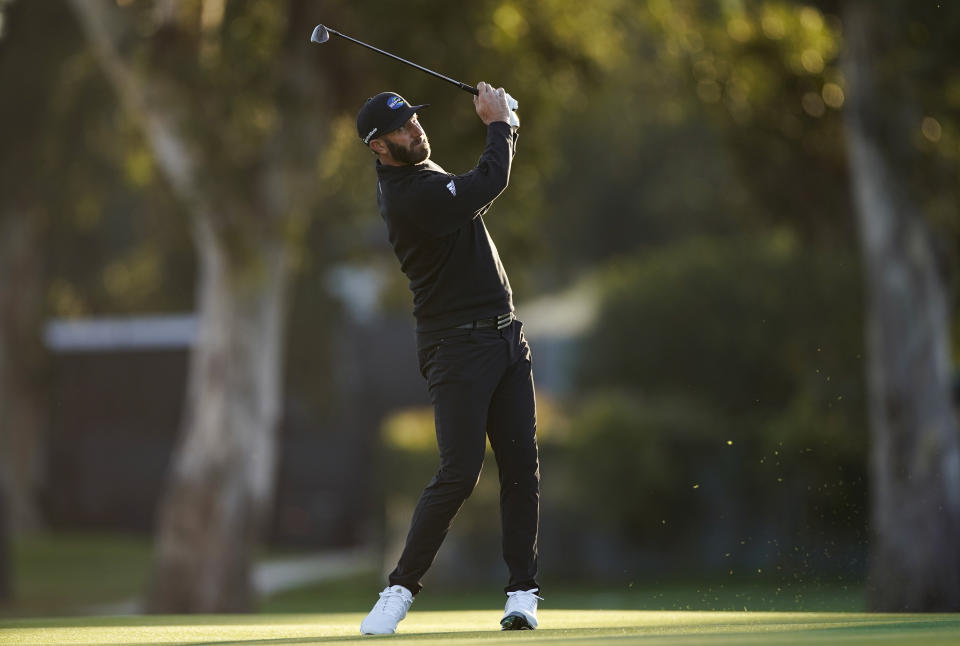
(481,385)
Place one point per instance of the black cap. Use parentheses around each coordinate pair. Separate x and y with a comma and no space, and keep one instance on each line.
(382,114)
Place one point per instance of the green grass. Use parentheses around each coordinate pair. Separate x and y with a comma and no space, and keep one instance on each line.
(60,575)
(68,573)
(568,627)
(55,573)
(63,574)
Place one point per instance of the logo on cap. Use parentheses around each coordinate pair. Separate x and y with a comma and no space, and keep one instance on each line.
(395,103)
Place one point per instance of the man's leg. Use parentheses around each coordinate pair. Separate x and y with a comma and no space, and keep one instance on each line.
(512,426)
(462,374)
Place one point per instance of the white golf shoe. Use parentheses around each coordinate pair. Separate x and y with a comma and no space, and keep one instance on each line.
(388,611)
(520,612)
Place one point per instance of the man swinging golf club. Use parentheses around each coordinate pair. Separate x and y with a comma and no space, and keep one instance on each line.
(470,346)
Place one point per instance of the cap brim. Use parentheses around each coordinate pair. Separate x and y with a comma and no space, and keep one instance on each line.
(403,116)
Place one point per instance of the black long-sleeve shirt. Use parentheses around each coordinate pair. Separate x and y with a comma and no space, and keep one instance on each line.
(435,224)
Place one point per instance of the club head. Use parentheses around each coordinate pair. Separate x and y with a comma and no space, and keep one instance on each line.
(320,34)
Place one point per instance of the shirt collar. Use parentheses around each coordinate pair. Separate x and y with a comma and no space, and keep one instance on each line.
(385,169)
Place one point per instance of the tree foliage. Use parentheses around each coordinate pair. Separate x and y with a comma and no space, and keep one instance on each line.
(743,363)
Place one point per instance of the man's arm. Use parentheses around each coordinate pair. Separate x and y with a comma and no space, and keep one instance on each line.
(444,203)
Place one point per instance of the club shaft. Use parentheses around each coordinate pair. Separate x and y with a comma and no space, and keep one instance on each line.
(462,86)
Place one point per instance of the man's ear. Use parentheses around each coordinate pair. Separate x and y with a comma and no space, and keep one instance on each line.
(378,146)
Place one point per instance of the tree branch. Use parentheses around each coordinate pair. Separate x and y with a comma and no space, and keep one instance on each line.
(141,101)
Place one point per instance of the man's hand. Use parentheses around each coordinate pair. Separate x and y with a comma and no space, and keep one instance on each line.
(491,104)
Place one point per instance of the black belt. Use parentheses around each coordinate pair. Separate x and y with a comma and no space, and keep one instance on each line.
(498,322)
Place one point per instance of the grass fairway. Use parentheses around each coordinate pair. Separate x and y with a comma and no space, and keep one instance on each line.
(480,627)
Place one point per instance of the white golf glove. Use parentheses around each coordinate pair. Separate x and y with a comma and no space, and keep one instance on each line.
(514,120)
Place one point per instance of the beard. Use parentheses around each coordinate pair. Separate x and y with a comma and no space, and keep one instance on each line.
(411,155)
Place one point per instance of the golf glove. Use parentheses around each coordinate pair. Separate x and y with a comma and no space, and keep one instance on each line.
(514,120)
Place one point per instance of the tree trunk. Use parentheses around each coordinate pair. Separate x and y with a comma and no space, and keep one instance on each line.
(22,359)
(915,452)
(222,479)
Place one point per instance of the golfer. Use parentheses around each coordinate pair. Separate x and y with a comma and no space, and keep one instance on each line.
(470,346)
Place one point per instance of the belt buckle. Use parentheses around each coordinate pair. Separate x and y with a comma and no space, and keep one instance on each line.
(503,320)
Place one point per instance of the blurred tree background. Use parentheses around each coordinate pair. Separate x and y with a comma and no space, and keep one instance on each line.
(683,163)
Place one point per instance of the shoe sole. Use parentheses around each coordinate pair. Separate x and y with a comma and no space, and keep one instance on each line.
(515,622)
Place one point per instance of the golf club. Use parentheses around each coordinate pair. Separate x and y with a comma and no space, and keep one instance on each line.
(321,34)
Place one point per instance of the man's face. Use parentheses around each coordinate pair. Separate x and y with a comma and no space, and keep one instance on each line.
(408,144)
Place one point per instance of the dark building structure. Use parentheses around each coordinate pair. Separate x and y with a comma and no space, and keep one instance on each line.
(116,400)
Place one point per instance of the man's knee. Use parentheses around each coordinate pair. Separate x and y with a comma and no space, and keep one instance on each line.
(462,479)
(520,462)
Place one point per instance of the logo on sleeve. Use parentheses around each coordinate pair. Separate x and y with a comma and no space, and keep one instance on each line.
(452,188)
